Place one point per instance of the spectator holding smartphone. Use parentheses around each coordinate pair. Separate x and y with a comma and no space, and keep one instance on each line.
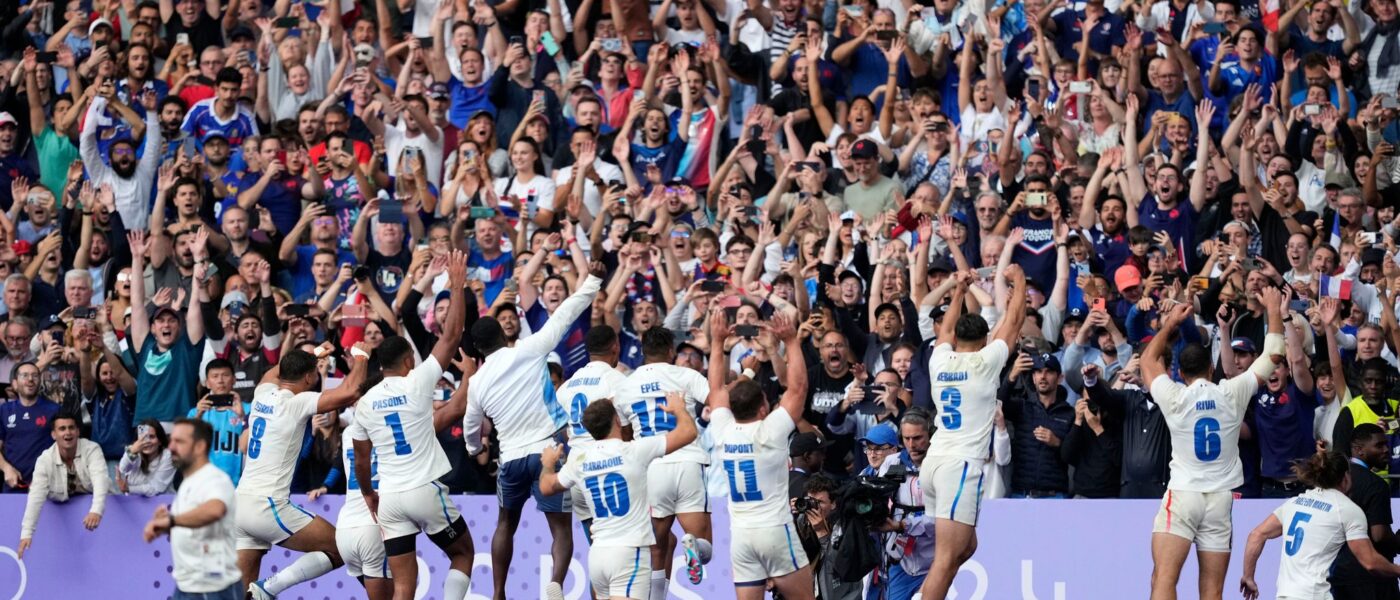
(146,468)
(227,415)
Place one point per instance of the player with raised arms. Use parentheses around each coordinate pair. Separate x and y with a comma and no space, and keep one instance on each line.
(283,403)
(965,369)
(597,380)
(751,442)
(611,475)
(1204,420)
(394,425)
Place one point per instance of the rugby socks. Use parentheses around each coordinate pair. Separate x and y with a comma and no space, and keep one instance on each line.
(553,591)
(705,549)
(658,584)
(310,566)
(457,586)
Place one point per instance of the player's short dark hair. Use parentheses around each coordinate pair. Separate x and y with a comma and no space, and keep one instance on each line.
(176,100)
(745,398)
(599,340)
(296,364)
(1364,433)
(1194,361)
(488,336)
(598,419)
(658,342)
(203,431)
(393,350)
(971,328)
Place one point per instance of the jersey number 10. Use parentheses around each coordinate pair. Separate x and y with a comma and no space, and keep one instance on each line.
(609,493)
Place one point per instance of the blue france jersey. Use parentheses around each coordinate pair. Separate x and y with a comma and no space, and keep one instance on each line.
(201,121)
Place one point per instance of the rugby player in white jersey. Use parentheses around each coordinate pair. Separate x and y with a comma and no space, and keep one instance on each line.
(612,476)
(676,483)
(283,403)
(597,380)
(1319,522)
(512,388)
(1204,420)
(752,443)
(357,535)
(965,368)
(394,425)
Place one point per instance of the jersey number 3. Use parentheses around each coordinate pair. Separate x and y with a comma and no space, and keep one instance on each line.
(949,400)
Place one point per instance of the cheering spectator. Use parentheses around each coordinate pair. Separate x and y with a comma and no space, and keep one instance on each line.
(72,466)
(25,426)
(146,468)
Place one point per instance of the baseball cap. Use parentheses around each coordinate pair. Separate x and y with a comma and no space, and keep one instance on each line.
(962,217)
(883,434)
(439,90)
(1075,314)
(213,135)
(240,32)
(1127,276)
(481,112)
(1243,344)
(99,23)
(1046,361)
(162,310)
(940,264)
(864,149)
(1372,256)
(232,298)
(849,215)
(22,247)
(805,442)
(51,322)
(8,119)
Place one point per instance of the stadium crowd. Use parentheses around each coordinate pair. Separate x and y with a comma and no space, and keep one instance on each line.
(192,189)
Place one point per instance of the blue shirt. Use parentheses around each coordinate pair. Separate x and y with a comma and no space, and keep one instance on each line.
(228,427)
(666,157)
(1070,30)
(466,100)
(1185,105)
(870,69)
(1036,253)
(572,353)
(201,121)
(493,273)
(1282,425)
(281,197)
(1237,77)
(24,430)
(1179,222)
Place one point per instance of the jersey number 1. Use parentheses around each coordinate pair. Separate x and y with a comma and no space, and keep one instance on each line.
(395,424)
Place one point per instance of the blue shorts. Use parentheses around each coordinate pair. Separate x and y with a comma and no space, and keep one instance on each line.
(520,479)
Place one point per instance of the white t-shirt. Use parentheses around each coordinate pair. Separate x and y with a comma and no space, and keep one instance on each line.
(1315,526)
(354,512)
(597,380)
(755,459)
(964,389)
(205,558)
(975,126)
(1204,419)
(612,476)
(397,416)
(641,397)
(396,139)
(530,192)
(276,425)
(592,196)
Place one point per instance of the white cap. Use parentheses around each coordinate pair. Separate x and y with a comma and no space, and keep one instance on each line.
(7,119)
(554,358)
(99,22)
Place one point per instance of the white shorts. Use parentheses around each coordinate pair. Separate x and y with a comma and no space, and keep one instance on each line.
(363,551)
(264,521)
(1201,517)
(620,571)
(676,488)
(763,553)
(952,488)
(425,508)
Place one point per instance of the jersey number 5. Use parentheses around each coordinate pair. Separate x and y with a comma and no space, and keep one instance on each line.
(1295,533)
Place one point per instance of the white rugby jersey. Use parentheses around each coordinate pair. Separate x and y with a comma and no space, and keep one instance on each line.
(512,387)
(276,424)
(754,457)
(641,397)
(354,512)
(1315,526)
(396,415)
(1204,420)
(612,476)
(964,389)
(595,381)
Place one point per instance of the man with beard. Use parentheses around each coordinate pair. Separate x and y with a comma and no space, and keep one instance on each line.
(25,434)
(254,351)
(826,388)
(69,467)
(297,258)
(200,521)
(657,146)
(171,115)
(55,152)
(222,113)
(234,226)
(129,178)
(218,173)
(13,164)
(167,361)
(139,78)
(1035,402)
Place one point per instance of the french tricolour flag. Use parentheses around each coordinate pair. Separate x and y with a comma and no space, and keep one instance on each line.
(1334,287)
(1336,240)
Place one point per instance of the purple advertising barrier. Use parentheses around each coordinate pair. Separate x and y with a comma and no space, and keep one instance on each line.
(1028,550)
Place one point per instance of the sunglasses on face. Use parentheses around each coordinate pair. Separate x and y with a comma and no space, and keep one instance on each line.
(123,152)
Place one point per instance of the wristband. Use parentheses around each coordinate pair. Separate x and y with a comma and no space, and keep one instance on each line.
(356,352)
(749,373)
